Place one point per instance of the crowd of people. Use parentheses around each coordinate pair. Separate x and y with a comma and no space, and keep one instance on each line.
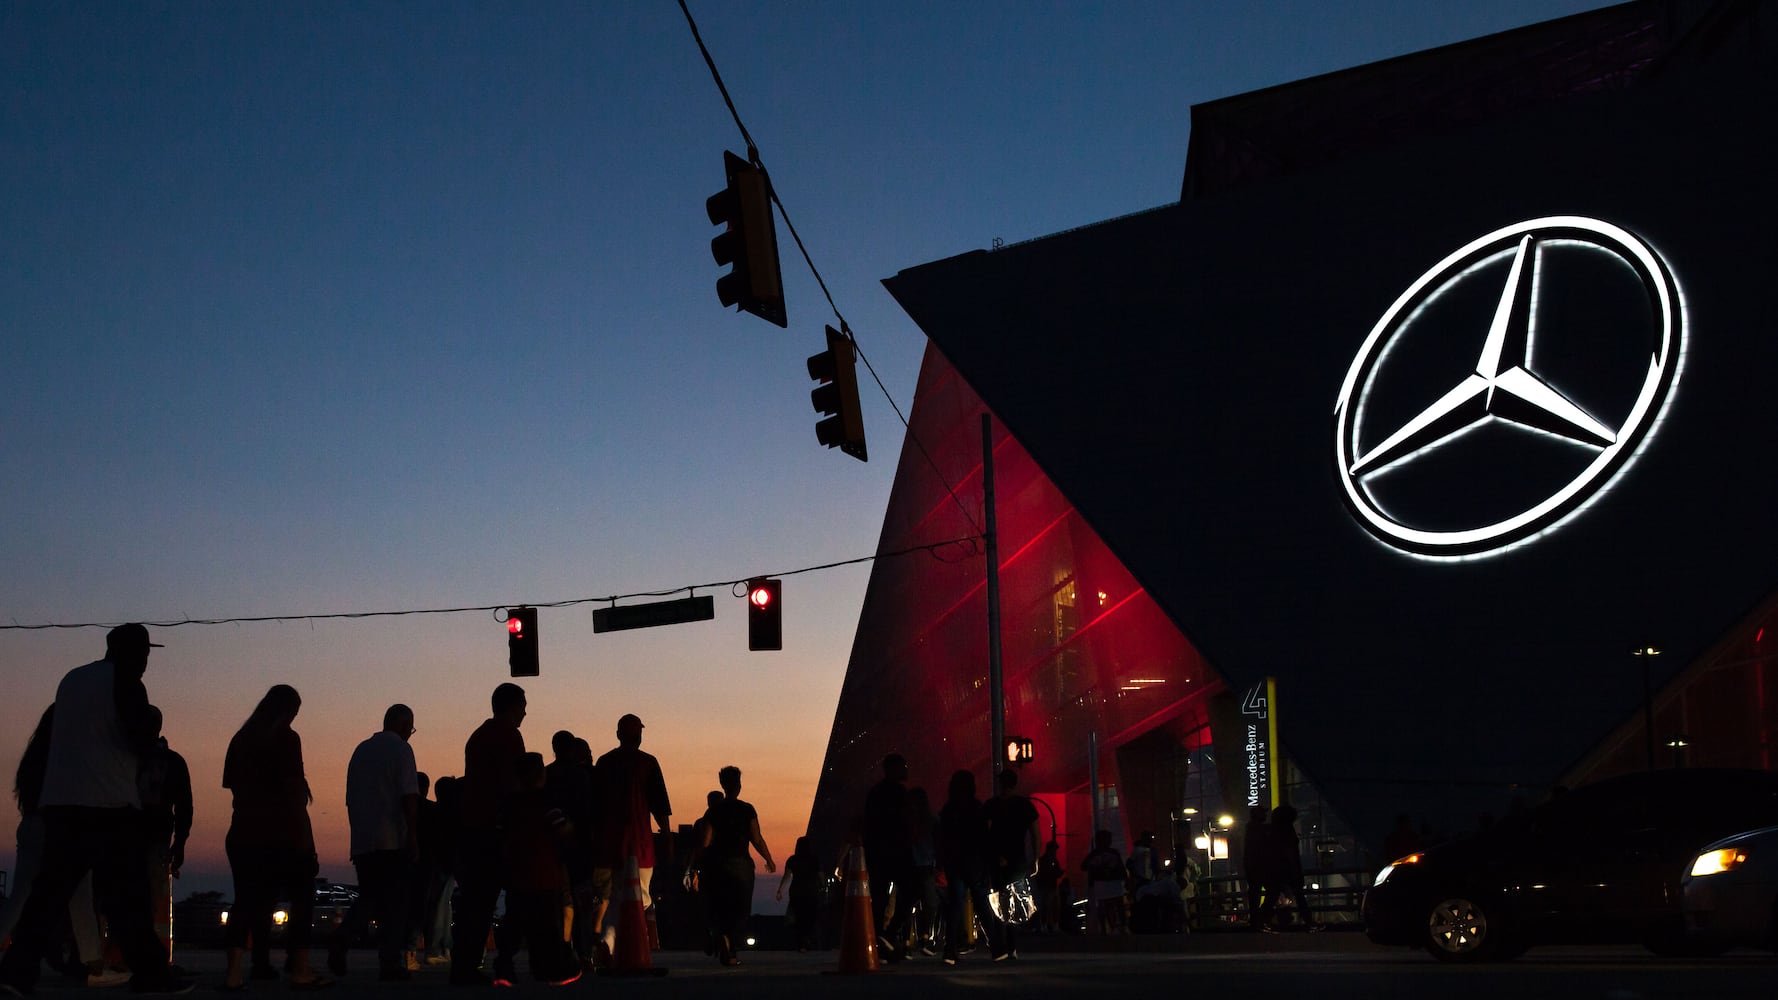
(106,811)
(933,876)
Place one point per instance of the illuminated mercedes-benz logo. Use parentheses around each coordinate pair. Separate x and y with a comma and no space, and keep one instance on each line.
(1505,385)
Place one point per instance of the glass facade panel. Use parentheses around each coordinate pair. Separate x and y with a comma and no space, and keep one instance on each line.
(1721,711)
(1087,655)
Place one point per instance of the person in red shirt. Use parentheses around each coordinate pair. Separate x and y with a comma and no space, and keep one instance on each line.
(630,791)
(490,762)
(537,833)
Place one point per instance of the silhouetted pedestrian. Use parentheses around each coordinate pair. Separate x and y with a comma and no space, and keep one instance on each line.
(1157,905)
(419,914)
(490,777)
(1288,880)
(923,890)
(92,816)
(1012,847)
(271,847)
(693,880)
(806,877)
(889,855)
(728,865)
(163,780)
(569,782)
(383,806)
(536,881)
(963,853)
(1259,866)
(630,791)
(438,847)
(27,788)
(1104,868)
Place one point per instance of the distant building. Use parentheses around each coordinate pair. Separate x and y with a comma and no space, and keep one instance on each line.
(1448,382)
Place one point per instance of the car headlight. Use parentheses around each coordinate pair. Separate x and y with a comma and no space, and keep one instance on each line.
(1716,862)
(1382,876)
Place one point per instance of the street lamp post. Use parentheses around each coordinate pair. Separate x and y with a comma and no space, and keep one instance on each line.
(1677,743)
(1646,653)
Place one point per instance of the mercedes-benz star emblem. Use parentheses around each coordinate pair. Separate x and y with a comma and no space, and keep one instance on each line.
(1504,385)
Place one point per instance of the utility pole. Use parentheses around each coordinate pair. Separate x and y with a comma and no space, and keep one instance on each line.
(996,696)
(1647,653)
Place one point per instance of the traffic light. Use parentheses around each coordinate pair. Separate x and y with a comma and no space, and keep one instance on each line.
(750,244)
(765,614)
(1019,750)
(521,641)
(842,424)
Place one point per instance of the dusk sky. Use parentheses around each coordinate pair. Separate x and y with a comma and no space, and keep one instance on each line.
(339,307)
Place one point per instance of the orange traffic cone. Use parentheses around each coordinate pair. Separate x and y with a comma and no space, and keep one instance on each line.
(858,932)
(631,957)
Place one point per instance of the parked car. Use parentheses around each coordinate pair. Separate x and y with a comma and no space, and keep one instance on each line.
(1730,891)
(332,901)
(1599,865)
(198,920)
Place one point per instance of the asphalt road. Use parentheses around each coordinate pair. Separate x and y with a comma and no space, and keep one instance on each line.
(1232,965)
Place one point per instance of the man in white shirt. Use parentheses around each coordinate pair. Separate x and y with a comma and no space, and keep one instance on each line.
(92,816)
(382,802)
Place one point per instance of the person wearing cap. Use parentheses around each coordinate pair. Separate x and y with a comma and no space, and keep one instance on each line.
(630,791)
(92,813)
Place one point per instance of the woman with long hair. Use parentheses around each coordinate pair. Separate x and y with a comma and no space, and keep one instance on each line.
(271,848)
(27,785)
(963,853)
(803,871)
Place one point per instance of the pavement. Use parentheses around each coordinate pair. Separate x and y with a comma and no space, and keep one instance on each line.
(1338,965)
(1064,961)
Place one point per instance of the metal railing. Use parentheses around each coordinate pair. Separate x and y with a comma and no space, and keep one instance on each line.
(1332,895)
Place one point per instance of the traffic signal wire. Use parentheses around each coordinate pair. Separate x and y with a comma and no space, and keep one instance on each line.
(845,328)
(931,548)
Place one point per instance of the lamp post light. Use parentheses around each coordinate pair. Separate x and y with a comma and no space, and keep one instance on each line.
(1677,743)
(1646,654)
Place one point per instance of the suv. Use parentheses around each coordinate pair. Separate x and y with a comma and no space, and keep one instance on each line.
(1598,865)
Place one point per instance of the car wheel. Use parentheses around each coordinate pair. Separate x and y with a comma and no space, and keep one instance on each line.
(1459,929)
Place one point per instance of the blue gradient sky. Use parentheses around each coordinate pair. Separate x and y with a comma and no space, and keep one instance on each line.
(330,307)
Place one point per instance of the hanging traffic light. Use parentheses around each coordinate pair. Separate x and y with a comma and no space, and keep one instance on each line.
(750,244)
(765,614)
(521,641)
(842,425)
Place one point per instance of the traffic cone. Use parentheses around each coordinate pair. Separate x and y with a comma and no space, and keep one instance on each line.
(631,957)
(858,932)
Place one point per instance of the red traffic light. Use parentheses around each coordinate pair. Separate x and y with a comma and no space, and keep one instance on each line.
(765,618)
(521,641)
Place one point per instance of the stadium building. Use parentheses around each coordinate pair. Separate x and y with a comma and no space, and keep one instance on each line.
(1355,478)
